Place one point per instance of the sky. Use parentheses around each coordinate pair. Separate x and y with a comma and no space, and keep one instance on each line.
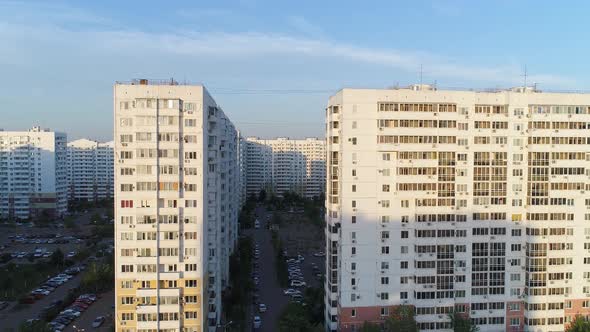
(272,65)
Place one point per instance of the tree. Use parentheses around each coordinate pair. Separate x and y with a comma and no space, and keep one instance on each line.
(370,327)
(579,324)
(294,319)
(402,319)
(314,297)
(262,195)
(35,326)
(57,258)
(462,323)
(97,278)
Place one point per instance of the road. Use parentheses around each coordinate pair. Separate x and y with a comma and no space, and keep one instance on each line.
(271,293)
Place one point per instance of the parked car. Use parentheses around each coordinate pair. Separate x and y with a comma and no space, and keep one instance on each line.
(262,307)
(97,322)
(291,291)
(297,283)
(319,254)
(257,322)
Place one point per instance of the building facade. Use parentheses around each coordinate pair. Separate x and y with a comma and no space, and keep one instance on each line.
(90,170)
(176,206)
(281,165)
(33,174)
(474,202)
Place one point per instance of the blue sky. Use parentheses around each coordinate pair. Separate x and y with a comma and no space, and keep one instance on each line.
(272,65)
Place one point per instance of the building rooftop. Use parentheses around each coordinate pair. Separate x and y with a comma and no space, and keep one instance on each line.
(145,81)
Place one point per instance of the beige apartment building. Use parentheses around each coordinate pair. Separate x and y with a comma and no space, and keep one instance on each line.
(468,201)
(176,207)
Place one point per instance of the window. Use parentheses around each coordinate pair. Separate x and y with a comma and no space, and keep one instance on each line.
(384,296)
(385,250)
(403,265)
(353,219)
(353,313)
(404,234)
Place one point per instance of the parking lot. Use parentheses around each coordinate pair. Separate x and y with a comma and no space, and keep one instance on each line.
(37,293)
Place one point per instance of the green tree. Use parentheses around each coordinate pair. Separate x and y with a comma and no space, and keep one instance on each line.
(95,218)
(314,297)
(57,257)
(70,223)
(579,324)
(97,278)
(262,195)
(402,319)
(462,323)
(370,327)
(294,319)
(36,326)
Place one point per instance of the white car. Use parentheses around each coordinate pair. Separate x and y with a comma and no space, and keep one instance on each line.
(262,307)
(70,312)
(98,321)
(257,322)
(297,283)
(291,291)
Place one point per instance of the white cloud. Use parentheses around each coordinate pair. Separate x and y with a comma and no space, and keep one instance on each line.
(116,41)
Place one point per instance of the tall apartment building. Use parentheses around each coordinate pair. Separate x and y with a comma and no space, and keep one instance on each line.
(176,207)
(282,164)
(32,174)
(90,170)
(458,200)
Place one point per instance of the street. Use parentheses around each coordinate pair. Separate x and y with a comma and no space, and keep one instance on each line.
(271,293)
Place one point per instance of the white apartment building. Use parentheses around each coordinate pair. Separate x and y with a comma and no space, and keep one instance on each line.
(282,164)
(176,206)
(32,174)
(90,170)
(458,200)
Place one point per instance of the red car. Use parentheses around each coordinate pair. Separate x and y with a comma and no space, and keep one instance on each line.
(81,305)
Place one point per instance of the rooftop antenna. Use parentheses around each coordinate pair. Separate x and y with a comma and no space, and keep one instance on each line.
(420,74)
(525,75)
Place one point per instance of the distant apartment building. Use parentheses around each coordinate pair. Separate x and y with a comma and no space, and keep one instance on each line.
(474,202)
(281,165)
(177,185)
(90,170)
(32,174)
